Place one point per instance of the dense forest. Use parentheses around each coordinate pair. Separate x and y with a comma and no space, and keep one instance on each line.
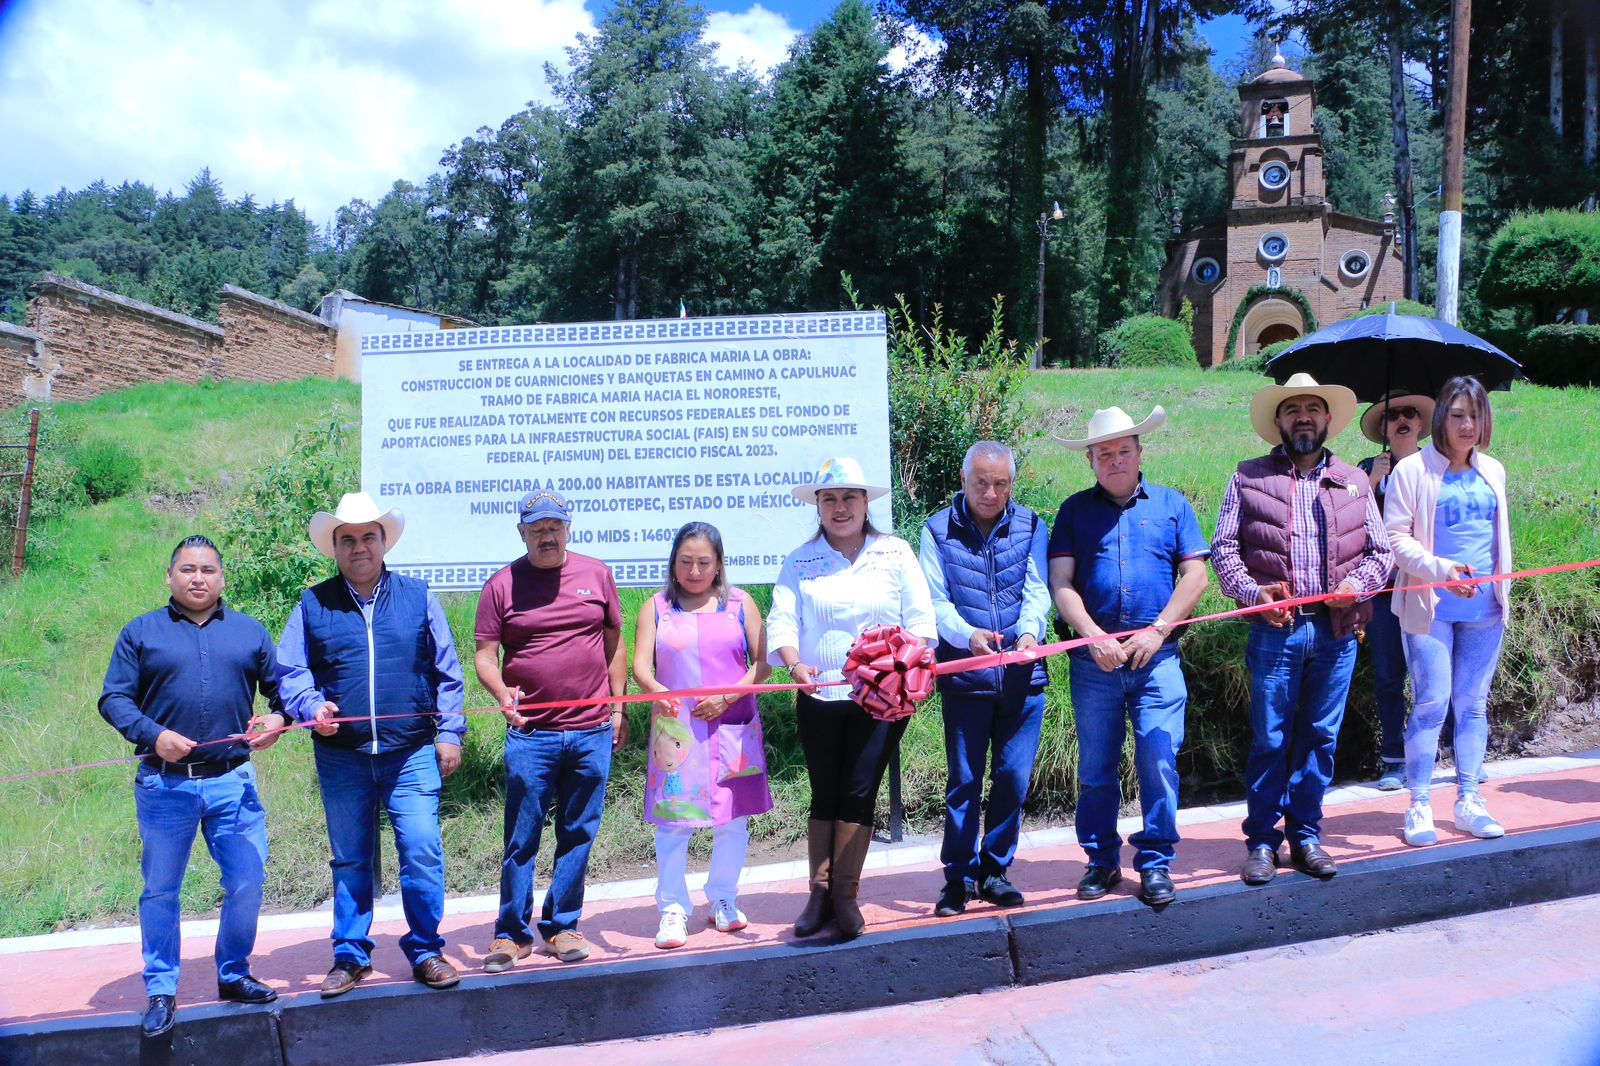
(657,176)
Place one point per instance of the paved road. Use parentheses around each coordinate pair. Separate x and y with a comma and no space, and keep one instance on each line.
(1519,987)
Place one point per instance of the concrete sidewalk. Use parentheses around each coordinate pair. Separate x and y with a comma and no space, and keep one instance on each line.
(93,974)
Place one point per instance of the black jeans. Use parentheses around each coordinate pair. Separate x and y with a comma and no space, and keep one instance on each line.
(846,752)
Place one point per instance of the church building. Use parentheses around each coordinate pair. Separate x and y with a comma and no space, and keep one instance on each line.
(1283,262)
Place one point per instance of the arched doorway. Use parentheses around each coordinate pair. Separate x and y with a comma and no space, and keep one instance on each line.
(1269,320)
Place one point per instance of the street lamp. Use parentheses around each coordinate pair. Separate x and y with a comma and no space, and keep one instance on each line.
(1045,218)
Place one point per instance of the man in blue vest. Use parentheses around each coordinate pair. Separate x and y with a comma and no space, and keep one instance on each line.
(984,557)
(368,657)
(1126,554)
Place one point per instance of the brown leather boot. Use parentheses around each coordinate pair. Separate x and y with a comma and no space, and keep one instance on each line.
(819,906)
(850,843)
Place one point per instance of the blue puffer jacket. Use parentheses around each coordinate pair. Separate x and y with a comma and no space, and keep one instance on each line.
(388,670)
(985,578)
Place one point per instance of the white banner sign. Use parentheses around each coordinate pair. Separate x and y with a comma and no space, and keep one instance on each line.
(642,426)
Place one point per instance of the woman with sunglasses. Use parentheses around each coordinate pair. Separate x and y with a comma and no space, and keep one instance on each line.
(1399,423)
(1447,519)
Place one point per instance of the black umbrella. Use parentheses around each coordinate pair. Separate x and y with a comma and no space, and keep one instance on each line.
(1376,353)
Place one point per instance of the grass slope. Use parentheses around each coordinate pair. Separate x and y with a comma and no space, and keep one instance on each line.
(72,851)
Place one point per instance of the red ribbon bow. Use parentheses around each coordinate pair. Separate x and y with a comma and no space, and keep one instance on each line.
(889,671)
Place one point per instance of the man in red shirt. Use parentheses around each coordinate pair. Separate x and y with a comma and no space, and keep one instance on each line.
(549,628)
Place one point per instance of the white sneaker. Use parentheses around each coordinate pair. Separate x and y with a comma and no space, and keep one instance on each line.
(673,932)
(726,916)
(1419,830)
(1473,817)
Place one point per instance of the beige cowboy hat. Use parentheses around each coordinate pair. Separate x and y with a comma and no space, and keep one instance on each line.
(355,508)
(1112,422)
(1372,420)
(838,473)
(1264,405)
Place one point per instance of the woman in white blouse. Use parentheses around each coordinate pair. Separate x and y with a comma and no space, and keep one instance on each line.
(844,580)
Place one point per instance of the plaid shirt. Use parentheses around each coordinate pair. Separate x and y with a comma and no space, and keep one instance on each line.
(1308,538)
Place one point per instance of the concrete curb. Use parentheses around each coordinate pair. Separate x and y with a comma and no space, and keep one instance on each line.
(580,1004)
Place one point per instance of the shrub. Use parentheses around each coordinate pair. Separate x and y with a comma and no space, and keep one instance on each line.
(1254,364)
(1561,355)
(56,488)
(1401,307)
(270,559)
(106,470)
(1147,341)
(1548,261)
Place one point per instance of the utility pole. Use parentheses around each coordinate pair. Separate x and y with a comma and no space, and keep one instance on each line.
(1045,218)
(1455,132)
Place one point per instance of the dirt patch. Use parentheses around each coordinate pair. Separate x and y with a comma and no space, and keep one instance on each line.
(1570,726)
(187,504)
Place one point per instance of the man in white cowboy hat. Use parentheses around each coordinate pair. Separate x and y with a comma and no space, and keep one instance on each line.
(367,656)
(984,557)
(1126,555)
(548,630)
(1298,521)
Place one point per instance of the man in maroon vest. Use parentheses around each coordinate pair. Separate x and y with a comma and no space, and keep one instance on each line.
(1297,522)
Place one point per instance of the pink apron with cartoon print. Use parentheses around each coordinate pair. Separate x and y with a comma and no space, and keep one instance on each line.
(703,773)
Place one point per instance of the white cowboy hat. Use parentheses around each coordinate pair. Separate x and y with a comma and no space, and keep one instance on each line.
(1264,405)
(1113,422)
(355,508)
(1372,420)
(838,473)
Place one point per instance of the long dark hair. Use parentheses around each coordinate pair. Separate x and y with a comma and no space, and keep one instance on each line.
(1472,390)
(719,584)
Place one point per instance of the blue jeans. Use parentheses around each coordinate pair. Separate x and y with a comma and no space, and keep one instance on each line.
(228,811)
(1009,724)
(1299,678)
(1451,667)
(407,784)
(566,768)
(1153,698)
(1389,677)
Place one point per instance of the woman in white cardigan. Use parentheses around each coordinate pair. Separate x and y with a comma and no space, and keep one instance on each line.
(1447,518)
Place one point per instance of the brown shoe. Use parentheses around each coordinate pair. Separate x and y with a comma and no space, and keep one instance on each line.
(850,843)
(1260,867)
(434,972)
(819,905)
(344,976)
(1311,859)
(504,953)
(567,945)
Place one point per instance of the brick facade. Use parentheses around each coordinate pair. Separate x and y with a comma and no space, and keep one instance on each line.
(1278,191)
(85,341)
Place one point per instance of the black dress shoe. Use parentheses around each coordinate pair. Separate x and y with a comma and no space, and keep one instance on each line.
(159,1015)
(1098,880)
(246,990)
(953,900)
(1156,887)
(997,889)
(1260,867)
(1311,859)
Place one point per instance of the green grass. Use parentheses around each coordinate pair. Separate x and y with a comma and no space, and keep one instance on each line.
(69,840)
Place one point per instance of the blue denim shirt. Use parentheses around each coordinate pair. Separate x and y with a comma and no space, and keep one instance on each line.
(1126,556)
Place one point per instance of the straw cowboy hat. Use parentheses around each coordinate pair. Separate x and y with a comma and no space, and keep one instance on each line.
(1113,422)
(839,473)
(1264,405)
(1372,420)
(355,508)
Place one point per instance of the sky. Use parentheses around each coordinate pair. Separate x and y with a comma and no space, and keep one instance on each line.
(319,101)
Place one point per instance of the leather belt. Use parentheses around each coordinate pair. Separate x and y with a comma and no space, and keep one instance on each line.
(194,769)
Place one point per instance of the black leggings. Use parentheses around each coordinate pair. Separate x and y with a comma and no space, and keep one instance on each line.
(846,752)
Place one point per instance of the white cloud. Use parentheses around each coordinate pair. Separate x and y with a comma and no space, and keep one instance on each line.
(757,37)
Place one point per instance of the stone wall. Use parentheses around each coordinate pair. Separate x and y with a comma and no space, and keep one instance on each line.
(269,341)
(82,341)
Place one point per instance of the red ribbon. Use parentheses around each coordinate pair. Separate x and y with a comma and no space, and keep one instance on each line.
(889,670)
(975,662)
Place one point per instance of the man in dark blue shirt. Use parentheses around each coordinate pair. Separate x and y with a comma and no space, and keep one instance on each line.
(1126,555)
(181,686)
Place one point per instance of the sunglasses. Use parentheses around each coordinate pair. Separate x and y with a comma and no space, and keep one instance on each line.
(1394,414)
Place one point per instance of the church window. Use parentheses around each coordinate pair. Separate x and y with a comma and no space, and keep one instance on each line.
(1355,264)
(1273,246)
(1206,270)
(1274,175)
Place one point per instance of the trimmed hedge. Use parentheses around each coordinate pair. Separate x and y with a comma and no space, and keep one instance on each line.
(1546,261)
(1145,341)
(1401,307)
(1561,355)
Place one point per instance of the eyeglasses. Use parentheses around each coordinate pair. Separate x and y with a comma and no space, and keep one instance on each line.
(1394,414)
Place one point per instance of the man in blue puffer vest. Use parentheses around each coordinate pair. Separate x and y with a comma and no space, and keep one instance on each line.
(368,657)
(984,557)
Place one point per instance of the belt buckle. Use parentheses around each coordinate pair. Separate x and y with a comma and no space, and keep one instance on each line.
(188,770)
(1310,610)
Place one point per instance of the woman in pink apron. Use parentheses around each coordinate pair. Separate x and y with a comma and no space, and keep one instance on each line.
(707,766)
